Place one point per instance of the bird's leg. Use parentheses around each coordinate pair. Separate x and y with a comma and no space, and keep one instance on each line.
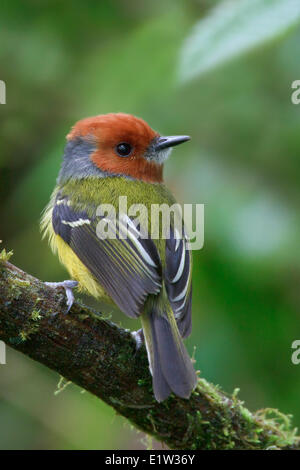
(138,336)
(68,286)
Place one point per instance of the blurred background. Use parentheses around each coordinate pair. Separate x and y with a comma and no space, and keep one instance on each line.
(222,76)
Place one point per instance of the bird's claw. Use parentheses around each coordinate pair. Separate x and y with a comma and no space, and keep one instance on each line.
(68,286)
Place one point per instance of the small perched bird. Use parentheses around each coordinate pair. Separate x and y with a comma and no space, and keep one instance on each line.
(109,156)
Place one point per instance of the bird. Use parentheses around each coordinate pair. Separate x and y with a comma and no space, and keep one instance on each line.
(106,157)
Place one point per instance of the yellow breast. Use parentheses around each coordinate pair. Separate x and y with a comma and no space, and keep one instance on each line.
(70,260)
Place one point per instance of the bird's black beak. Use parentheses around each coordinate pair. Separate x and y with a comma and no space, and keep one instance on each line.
(171,141)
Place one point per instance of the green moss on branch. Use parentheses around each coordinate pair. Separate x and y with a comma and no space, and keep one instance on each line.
(100,357)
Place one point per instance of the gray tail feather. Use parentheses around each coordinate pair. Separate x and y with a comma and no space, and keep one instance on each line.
(172,368)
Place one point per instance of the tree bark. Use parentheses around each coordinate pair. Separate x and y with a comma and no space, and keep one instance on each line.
(100,357)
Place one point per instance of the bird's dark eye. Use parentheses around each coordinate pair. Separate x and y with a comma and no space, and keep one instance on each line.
(123,149)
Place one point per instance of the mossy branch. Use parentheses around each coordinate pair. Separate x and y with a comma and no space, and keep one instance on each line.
(100,357)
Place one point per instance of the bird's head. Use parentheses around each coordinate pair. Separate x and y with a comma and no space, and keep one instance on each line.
(116,144)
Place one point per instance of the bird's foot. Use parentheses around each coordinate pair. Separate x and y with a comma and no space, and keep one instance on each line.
(138,336)
(68,286)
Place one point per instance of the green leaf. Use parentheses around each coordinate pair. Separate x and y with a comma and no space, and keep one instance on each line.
(233,28)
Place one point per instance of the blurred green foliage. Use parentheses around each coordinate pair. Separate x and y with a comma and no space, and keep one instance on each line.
(63,61)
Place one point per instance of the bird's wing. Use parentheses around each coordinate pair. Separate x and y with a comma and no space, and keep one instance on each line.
(128,269)
(178,279)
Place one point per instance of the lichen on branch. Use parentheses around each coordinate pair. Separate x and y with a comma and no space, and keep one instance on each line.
(90,351)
